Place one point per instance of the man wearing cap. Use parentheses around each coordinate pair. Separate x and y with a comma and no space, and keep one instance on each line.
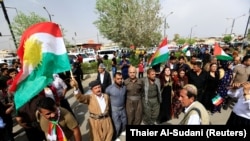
(104,77)
(195,112)
(101,128)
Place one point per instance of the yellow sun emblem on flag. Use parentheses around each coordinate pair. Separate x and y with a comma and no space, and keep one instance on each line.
(32,51)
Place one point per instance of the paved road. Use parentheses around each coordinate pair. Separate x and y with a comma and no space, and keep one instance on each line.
(82,114)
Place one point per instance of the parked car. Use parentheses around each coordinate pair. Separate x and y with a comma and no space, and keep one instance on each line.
(85,57)
(91,55)
(109,53)
(8,60)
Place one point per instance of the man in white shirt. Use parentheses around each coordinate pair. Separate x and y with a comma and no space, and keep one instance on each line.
(195,112)
(240,115)
(100,122)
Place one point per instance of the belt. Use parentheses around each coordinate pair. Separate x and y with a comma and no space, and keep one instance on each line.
(100,116)
(134,97)
(114,108)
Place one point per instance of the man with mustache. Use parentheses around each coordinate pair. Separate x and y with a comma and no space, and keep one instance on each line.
(101,128)
(151,98)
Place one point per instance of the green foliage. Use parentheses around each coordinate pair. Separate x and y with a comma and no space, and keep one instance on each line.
(181,41)
(129,22)
(191,41)
(227,39)
(134,60)
(88,68)
(21,22)
(176,37)
(248,34)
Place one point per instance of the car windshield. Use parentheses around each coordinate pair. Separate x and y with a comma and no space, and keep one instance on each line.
(84,56)
(72,56)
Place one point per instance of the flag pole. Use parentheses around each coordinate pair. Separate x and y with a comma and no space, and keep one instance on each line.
(71,74)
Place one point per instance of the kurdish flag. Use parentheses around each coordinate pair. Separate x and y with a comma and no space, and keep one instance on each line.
(184,48)
(217,100)
(220,54)
(161,54)
(42,53)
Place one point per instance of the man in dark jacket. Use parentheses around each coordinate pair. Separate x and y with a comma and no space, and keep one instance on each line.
(104,77)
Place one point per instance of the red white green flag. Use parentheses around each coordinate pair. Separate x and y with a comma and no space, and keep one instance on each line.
(220,53)
(42,53)
(184,48)
(161,54)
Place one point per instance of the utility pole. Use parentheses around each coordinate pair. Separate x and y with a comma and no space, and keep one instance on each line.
(234,22)
(247,24)
(191,32)
(8,21)
(97,38)
(165,24)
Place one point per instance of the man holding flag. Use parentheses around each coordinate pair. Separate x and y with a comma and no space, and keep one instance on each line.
(42,53)
(161,55)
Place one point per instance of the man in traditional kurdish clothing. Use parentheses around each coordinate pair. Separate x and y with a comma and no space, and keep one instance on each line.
(101,128)
(56,122)
(135,89)
(151,98)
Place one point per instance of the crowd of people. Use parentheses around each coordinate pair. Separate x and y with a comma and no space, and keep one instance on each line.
(126,97)
(184,84)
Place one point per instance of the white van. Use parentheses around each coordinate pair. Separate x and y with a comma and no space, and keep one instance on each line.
(109,52)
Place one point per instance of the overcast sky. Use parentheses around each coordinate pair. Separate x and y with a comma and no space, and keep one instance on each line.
(206,18)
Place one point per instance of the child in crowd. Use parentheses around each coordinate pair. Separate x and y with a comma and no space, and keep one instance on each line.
(141,69)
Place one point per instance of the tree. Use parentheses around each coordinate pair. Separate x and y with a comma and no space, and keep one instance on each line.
(248,34)
(130,22)
(227,39)
(181,41)
(21,22)
(176,37)
(191,41)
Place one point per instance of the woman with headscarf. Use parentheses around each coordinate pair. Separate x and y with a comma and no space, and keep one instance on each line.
(167,94)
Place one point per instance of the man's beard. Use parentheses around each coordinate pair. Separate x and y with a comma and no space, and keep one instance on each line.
(118,84)
(152,79)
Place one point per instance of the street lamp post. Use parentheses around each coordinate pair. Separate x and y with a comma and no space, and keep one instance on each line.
(13,8)
(234,22)
(50,19)
(245,34)
(191,31)
(165,23)
(1,35)
(8,21)
(227,30)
